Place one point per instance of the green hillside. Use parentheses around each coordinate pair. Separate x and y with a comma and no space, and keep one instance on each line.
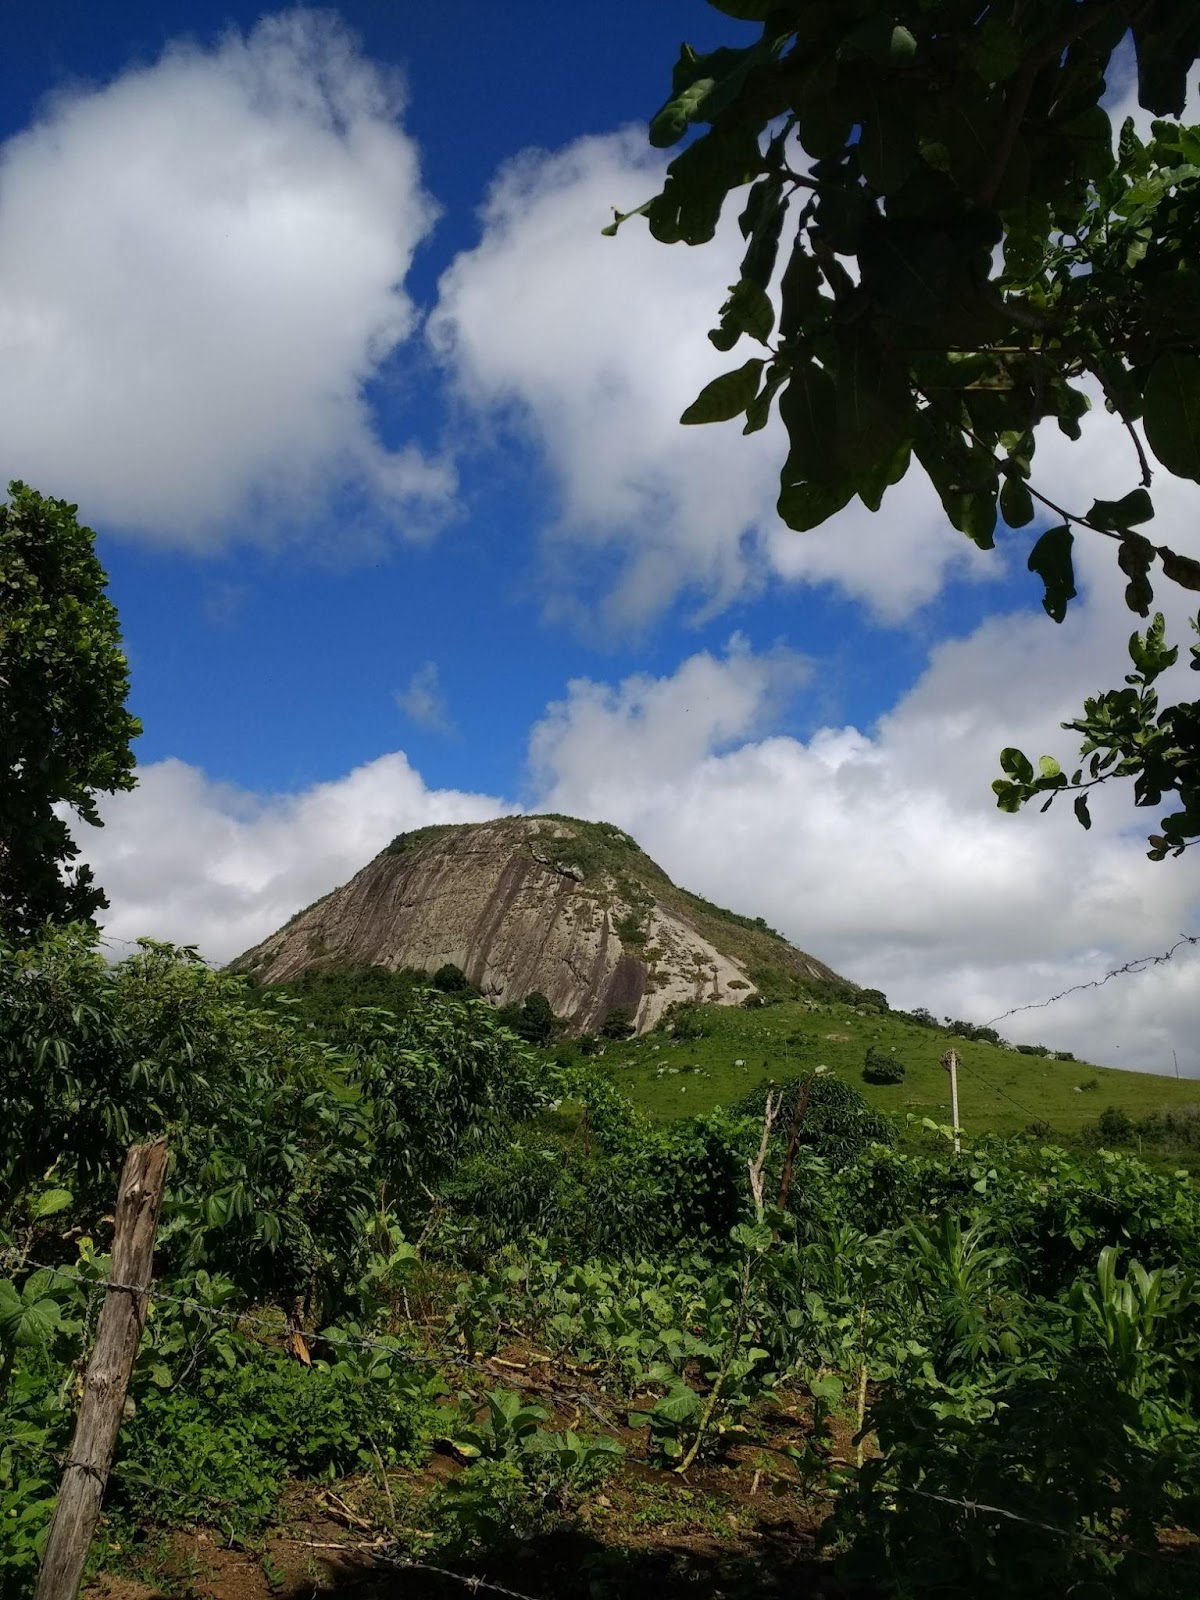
(1000,1090)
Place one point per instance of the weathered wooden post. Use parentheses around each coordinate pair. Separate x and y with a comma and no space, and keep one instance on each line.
(118,1334)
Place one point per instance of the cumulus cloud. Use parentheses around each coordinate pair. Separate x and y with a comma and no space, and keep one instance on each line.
(596,346)
(423,702)
(881,852)
(877,849)
(201,265)
(186,859)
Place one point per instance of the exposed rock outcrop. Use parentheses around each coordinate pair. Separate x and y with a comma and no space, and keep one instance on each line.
(571,909)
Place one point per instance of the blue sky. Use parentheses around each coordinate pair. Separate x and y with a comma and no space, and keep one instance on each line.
(379,440)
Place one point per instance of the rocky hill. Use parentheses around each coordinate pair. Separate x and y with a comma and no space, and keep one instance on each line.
(572,909)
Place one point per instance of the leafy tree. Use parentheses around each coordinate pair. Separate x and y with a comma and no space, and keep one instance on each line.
(964,254)
(532,1019)
(64,731)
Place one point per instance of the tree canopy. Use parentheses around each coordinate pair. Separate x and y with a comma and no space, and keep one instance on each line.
(945,247)
(64,731)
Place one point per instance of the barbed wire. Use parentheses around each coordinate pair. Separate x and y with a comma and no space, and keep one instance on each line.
(996,1089)
(140,1480)
(1139,964)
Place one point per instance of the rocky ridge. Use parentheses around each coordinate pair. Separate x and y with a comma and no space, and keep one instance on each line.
(572,909)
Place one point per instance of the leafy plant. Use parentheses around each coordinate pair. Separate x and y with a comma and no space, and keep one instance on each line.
(963,251)
(879,1067)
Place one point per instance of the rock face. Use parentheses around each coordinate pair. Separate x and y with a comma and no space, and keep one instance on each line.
(572,909)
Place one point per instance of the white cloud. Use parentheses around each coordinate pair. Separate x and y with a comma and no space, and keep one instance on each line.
(196,862)
(597,345)
(201,264)
(882,852)
(423,701)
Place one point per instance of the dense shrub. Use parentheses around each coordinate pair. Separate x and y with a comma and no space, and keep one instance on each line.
(618,1023)
(450,979)
(879,1067)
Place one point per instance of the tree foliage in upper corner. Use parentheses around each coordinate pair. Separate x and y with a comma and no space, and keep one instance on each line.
(944,248)
(64,731)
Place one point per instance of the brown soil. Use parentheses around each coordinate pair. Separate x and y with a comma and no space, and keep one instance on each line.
(735,1526)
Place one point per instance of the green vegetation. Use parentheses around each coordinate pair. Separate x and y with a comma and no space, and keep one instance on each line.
(1002,1091)
(966,250)
(65,734)
(390,1229)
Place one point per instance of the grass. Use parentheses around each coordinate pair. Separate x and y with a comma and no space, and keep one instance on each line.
(1000,1091)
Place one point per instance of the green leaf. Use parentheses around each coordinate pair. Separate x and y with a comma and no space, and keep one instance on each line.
(1016,502)
(808,505)
(726,396)
(873,401)
(1049,767)
(759,409)
(799,292)
(1016,764)
(681,1404)
(748,310)
(1122,514)
(51,1203)
(670,124)
(1051,559)
(1081,810)
(806,408)
(887,151)
(1172,413)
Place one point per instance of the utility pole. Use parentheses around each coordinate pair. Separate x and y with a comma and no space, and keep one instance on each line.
(950,1062)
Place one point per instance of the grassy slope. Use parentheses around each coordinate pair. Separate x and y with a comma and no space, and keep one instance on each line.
(1000,1091)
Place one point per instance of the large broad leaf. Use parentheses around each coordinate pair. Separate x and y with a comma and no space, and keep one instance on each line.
(964,474)
(873,402)
(1016,502)
(1127,512)
(1051,559)
(807,505)
(726,396)
(680,1405)
(806,407)
(1172,413)
(1166,36)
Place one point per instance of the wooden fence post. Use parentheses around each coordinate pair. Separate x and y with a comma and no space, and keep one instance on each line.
(118,1335)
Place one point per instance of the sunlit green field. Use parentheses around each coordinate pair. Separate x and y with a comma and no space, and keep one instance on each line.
(1000,1090)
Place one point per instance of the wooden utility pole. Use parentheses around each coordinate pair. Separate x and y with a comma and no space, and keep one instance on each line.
(950,1062)
(118,1335)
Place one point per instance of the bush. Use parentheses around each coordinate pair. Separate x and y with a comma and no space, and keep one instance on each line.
(221,1447)
(618,1024)
(686,1021)
(1115,1127)
(450,979)
(879,1067)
